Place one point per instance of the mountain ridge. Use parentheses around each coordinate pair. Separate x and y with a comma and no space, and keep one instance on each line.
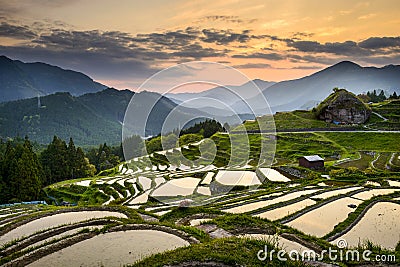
(19,80)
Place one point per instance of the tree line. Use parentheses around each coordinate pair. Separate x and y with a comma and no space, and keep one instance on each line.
(376,97)
(24,172)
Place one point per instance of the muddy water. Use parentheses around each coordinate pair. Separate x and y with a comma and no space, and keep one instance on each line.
(53,221)
(274,175)
(380,225)
(265,203)
(336,192)
(322,220)
(237,178)
(374,192)
(279,213)
(113,249)
(177,187)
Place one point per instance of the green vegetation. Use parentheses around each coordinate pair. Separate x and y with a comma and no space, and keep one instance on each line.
(230,251)
(21,175)
(61,162)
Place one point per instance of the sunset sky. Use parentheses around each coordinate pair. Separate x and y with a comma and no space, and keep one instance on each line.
(121,43)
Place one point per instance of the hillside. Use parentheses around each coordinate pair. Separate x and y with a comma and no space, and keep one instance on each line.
(90,119)
(61,114)
(19,80)
(384,116)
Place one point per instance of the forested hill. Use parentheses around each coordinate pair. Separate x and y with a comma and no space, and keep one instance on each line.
(19,80)
(90,119)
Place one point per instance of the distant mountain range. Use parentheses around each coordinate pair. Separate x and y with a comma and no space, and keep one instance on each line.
(20,80)
(92,114)
(228,95)
(303,93)
(306,92)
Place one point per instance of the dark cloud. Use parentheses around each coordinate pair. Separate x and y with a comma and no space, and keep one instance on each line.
(338,48)
(253,66)
(223,37)
(269,56)
(380,42)
(16,31)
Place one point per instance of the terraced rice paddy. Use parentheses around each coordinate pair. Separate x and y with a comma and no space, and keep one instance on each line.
(261,204)
(321,221)
(53,221)
(237,178)
(379,225)
(319,207)
(113,249)
(177,187)
(374,192)
(336,192)
(273,175)
(279,213)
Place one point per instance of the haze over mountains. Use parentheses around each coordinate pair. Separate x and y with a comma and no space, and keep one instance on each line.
(306,92)
(91,114)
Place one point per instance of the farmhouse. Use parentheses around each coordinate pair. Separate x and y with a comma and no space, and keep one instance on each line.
(311,162)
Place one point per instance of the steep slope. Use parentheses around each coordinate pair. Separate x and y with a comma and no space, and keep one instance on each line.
(60,114)
(90,119)
(20,80)
(109,103)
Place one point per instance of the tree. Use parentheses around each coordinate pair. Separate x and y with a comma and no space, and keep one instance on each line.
(62,162)
(103,158)
(55,162)
(21,172)
(381,96)
(394,96)
(227,127)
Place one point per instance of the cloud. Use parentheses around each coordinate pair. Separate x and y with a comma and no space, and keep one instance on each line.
(16,31)
(232,19)
(338,48)
(367,16)
(253,66)
(269,56)
(380,42)
(223,37)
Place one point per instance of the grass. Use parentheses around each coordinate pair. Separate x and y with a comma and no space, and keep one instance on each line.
(229,251)
(181,212)
(235,221)
(362,163)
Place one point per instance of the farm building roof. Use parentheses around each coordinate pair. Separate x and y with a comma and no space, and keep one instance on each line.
(313,158)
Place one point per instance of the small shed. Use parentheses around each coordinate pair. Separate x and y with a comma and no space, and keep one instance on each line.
(311,162)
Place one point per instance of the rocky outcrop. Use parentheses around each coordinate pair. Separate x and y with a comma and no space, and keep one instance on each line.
(343,107)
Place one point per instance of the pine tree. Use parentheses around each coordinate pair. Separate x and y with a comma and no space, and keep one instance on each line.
(22,172)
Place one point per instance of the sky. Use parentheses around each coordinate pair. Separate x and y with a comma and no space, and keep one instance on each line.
(122,43)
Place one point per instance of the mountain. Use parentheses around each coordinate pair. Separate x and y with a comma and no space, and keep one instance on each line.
(295,94)
(92,118)
(59,114)
(19,80)
(228,95)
